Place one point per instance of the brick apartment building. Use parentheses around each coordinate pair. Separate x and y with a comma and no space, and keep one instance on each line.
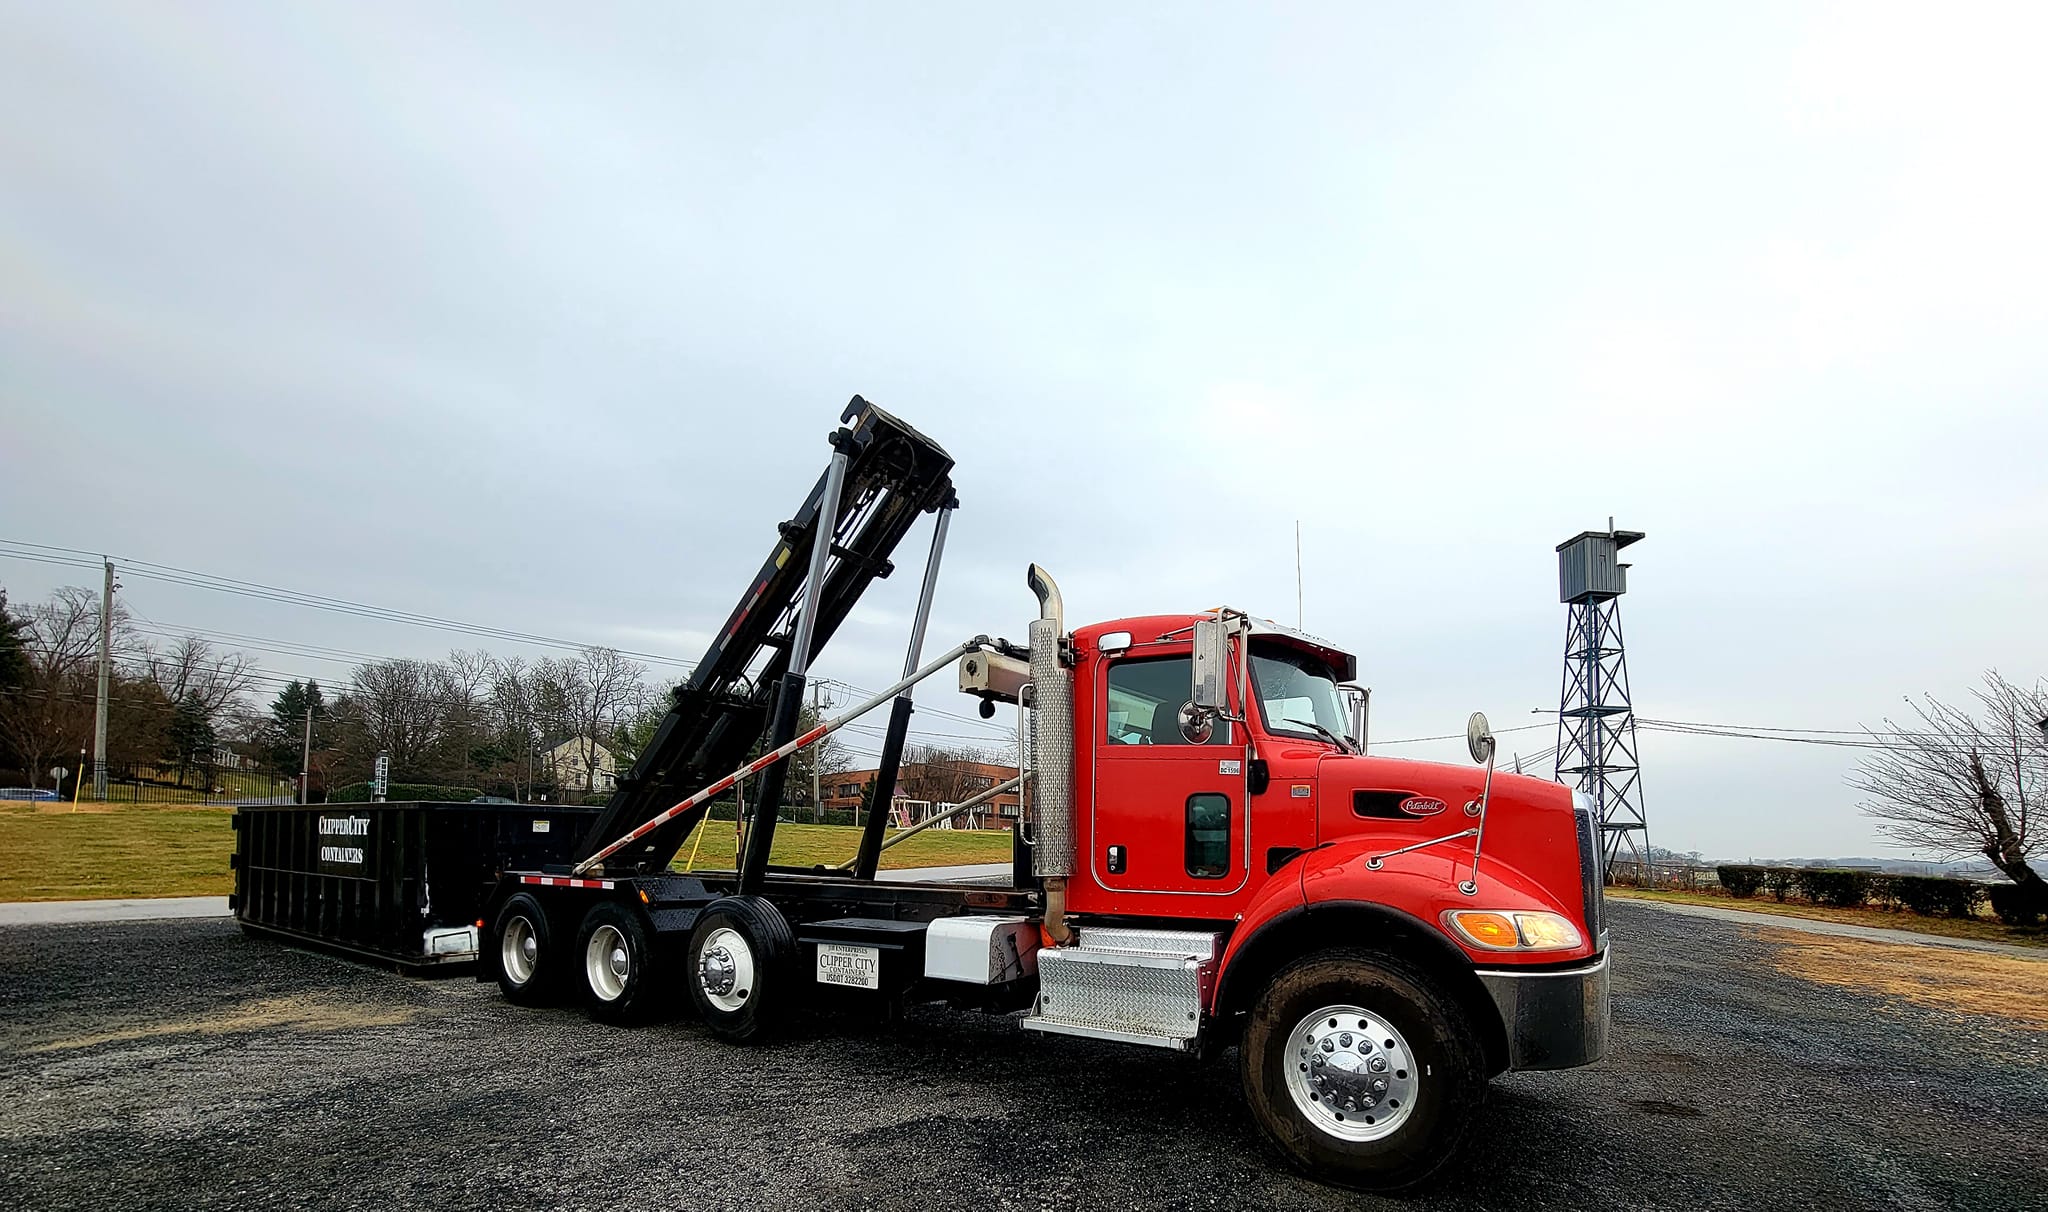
(922,789)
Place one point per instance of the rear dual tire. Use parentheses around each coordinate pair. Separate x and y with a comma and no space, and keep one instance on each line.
(523,951)
(615,957)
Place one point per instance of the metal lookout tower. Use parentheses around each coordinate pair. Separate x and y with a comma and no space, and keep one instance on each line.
(1596,726)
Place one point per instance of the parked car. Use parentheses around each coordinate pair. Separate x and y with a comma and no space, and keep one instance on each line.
(26,793)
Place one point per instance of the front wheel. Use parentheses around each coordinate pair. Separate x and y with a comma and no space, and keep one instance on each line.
(1360,1072)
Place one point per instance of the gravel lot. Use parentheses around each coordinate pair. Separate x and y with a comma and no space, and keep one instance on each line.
(180,1065)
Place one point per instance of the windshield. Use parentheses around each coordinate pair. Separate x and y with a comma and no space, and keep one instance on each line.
(1296,690)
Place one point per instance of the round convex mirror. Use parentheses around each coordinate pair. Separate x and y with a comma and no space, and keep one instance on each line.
(1196,727)
(1478,737)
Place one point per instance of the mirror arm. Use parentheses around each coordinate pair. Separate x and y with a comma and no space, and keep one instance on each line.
(1470,887)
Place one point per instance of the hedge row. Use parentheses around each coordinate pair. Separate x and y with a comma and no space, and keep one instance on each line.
(2019,904)
(359,793)
(1926,895)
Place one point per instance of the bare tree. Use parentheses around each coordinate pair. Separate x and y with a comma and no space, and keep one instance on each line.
(942,775)
(512,702)
(466,678)
(1962,782)
(50,714)
(598,688)
(398,706)
(192,670)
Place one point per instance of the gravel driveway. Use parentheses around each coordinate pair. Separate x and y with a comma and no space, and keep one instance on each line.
(179,1065)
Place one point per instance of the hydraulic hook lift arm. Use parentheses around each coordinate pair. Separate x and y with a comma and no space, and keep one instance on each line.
(883,474)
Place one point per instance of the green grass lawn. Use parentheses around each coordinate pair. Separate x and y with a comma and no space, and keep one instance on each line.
(128,850)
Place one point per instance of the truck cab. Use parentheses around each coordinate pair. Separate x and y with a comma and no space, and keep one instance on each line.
(1379,936)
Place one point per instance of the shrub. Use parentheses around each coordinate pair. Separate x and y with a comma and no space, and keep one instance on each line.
(1884,890)
(1740,879)
(359,793)
(2019,904)
(1936,895)
(1833,886)
(1781,881)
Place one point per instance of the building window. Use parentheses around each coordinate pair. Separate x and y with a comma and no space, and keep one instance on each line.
(1208,844)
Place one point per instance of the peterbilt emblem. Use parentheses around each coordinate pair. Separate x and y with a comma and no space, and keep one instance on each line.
(1417,805)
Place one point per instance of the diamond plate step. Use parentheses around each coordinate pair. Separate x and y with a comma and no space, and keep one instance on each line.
(1193,943)
(1135,997)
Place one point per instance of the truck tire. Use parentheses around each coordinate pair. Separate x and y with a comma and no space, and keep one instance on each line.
(522,949)
(615,958)
(1360,1072)
(742,967)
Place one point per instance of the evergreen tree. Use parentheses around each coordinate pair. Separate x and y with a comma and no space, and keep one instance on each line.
(284,736)
(190,739)
(14,669)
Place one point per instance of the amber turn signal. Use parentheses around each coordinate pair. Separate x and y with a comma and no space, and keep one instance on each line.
(1490,930)
(1525,931)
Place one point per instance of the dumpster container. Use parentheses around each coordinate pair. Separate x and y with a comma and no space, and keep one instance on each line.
(396,882)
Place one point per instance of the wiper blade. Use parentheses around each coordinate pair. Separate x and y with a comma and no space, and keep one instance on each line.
(1336,740)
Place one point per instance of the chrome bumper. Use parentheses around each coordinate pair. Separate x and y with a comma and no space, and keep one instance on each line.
(1553,1020)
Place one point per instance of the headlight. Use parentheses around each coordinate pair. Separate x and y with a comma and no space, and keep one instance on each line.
(1490,930)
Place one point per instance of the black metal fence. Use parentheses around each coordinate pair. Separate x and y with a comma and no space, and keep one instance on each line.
(144,784)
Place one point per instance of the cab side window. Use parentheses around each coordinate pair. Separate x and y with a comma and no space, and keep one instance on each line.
(1144,702)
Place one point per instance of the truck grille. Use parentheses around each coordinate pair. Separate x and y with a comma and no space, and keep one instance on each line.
(1591,877)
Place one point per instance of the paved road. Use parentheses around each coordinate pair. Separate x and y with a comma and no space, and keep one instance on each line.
(141,909)
(180,1065)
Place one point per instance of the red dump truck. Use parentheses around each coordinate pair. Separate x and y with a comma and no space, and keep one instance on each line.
(1207,856)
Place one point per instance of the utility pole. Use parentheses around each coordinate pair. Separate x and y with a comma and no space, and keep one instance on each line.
(99,714)
(817,803)
(306,761)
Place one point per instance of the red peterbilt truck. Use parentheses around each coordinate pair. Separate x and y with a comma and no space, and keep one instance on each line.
(1207,857)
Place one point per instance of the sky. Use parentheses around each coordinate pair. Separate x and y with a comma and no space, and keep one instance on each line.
(538,319)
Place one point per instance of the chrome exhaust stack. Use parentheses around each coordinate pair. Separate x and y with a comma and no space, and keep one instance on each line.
(1052,749)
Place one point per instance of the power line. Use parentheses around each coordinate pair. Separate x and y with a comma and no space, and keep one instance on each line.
(173,574)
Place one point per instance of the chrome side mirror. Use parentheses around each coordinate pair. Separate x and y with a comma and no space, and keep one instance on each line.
(1479,738)
(1196,725)
(1212,657)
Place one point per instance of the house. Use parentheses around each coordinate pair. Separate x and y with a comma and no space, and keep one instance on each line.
(578,763)
(925,788)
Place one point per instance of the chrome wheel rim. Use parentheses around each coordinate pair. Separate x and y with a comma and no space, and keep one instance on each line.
(519,950)
(725,969)
(607,963)
(1351,1074)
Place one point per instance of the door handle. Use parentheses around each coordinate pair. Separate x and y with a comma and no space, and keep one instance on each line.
(1116,860)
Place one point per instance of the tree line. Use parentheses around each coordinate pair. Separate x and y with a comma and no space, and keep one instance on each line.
(179,707)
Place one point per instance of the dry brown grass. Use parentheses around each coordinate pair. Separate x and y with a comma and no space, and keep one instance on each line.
(1972,982)
(1988,929)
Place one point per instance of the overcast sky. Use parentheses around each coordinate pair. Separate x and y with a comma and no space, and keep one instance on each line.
(537,318)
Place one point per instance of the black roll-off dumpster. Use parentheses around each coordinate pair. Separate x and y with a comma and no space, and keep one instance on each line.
(401,882)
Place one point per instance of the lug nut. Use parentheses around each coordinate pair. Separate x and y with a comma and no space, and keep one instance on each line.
(1379,1064)
(1344,1040)
(1328,1046)
(1379,1085)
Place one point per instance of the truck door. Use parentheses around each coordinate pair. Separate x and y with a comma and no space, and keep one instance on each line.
(1168,815)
